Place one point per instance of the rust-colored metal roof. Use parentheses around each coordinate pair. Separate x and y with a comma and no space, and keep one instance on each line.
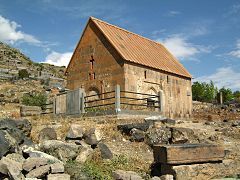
(137,49)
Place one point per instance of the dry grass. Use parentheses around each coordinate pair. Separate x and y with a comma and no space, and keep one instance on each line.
(10,111)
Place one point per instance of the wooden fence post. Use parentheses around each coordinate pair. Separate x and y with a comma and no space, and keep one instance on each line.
(117,99)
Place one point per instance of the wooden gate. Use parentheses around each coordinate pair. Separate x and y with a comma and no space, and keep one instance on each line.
(70,102)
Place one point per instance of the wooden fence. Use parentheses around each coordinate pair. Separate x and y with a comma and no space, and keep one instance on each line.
(76,102)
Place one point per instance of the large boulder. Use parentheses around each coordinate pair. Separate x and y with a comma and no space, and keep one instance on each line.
(126,128)
(75,132)
(93,136)
(17,128)
(24,125)
(47,134)
(5,144)
(158,136)
(183,135)
(62,150)
(106,153)
(12,134)
(137,135)
(11,168)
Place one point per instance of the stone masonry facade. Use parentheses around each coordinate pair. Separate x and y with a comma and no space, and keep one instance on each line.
(97,67)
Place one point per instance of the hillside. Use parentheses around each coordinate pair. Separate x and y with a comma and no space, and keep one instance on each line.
(12,60)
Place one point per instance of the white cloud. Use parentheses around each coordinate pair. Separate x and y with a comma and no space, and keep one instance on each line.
(58,59)
(173,13)
(180,47)
(236,53)
(233,10)
(9,32)
(223,77)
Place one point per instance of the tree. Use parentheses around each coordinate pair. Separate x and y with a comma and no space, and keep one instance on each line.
(236,95)
(227,94)
(205,92)
(23,73)
(197,91)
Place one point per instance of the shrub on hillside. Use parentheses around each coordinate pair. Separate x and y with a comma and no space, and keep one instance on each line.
(38,99)
(23,73)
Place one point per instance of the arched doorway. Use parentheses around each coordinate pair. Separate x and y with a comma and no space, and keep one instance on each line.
(93,93)
(152,100)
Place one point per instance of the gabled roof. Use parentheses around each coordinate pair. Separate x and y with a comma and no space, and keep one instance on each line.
(140,50)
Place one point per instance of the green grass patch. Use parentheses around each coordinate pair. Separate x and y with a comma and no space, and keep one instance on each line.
(99,169)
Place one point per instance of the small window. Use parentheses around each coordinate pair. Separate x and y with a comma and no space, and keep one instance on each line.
(92,76)
(91,64)
(167,79)
(145,74)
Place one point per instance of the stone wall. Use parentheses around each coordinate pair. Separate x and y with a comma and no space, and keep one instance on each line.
(175,91)
(30,110)
(106,72)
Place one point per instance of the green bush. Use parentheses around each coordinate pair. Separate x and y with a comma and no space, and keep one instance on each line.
(38,99)
(23,73)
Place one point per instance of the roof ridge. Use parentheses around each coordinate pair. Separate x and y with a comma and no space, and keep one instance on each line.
(91,17)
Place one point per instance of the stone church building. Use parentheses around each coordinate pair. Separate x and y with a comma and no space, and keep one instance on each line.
(107,55)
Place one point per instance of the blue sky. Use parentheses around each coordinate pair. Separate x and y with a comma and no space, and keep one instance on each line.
(204,35)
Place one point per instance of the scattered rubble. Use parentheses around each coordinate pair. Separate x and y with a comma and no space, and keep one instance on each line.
(80,144)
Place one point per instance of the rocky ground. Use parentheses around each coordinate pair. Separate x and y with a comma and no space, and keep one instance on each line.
(47,147)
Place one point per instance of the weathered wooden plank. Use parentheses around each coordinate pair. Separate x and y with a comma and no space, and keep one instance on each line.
(188,153)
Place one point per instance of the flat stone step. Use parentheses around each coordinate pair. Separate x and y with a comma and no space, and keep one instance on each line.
(178,154)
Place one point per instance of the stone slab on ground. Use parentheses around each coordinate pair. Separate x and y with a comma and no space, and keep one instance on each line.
(166,177)
(11,168)
(126,175)
(33,153)
(228,168)
(58,177)
(33,162)
(39,172)
(187,153)
(57,168)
